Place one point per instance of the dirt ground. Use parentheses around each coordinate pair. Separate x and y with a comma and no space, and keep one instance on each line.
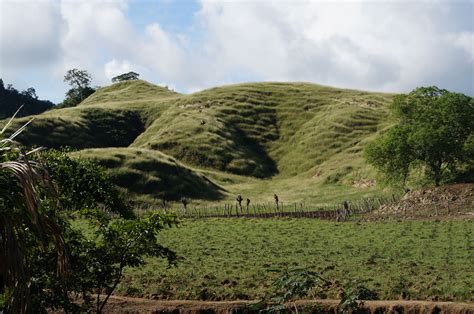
(442,201)
(118,304)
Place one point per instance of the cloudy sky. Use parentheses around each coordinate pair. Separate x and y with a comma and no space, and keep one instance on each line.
(191,45)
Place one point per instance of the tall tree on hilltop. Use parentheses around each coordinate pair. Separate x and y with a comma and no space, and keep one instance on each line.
(130,76)
(80,81)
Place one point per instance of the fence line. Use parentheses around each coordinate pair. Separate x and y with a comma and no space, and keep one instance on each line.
(336,211)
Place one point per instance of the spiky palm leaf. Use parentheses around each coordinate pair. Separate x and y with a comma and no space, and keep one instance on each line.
(22,220)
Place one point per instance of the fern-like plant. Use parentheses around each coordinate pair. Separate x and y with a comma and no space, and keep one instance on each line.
(23,222)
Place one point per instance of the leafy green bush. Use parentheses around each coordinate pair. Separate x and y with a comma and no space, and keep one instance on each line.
(434,132)
(45,262)
(353,297)
(298,283)
(99,249)
(83,184)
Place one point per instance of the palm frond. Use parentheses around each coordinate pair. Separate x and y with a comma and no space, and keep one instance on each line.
(10,120)
(24,181)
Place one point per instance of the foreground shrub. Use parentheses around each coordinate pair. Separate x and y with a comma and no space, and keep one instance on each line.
(83,184)
(46,262)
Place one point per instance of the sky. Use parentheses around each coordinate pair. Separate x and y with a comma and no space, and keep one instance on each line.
(390,46)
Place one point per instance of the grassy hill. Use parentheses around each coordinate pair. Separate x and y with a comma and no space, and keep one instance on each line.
(82,128)
(153,175)
(303,141)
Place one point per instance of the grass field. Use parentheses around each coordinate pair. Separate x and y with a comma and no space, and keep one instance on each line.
(229,259)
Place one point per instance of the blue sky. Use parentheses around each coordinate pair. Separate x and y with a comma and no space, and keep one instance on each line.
(174,16)
(391,46)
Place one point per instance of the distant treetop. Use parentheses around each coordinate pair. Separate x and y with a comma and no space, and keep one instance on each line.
(80,81)
(130,76)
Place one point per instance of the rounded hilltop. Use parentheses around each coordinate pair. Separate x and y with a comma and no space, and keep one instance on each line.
(134,90)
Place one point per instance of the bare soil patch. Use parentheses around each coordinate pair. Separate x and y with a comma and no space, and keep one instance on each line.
(119,304)
(441,201)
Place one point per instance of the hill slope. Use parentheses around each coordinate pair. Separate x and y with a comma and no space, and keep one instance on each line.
(290,133)
(265,129)
(150,174)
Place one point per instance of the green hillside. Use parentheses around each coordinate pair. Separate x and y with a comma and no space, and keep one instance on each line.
(301,140)
(82,128)
(126,92)
(151,174)
(265,129)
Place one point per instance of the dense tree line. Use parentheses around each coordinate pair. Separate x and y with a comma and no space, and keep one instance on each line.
(11,99)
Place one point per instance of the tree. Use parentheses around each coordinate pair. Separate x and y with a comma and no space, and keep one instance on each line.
(433,131)
(11,99)
(130,76)
(83,184)
(97,258)
(78,78)
(30,92)
(80,81)
(392,155)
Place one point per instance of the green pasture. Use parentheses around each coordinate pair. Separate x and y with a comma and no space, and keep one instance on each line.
(229,259)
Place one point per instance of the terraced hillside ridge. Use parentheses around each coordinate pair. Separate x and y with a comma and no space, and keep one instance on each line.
(292,135)
(151,174)
(265,129)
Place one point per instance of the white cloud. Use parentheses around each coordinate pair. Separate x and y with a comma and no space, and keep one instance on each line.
(391,46)
(162,52)
(385,45)
(29,33)
(115,67)
(465,41)
(95,30)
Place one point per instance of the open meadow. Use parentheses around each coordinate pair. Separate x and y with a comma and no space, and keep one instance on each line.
(230,259)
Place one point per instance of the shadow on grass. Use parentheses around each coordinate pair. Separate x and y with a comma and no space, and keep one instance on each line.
(94,128)
(156,176)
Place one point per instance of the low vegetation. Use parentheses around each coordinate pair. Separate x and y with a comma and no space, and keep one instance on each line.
(77,128)
(229,259)
(294,146)
(265,129)
(303,141)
